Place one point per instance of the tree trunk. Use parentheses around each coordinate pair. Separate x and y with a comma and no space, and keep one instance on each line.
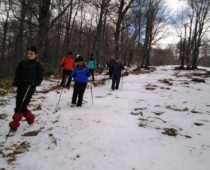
(201,10)
(121,14)
(18,51)
(98,39)
(43,29)
(66,43)
(3,43)
(182,54)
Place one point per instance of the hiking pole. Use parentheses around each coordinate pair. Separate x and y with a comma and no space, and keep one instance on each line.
(21,105)
(122,82)
(91,90)
(57,106)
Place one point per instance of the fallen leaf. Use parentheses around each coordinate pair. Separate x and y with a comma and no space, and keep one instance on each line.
(194,111)
(56,121)
(177,109)
(20,150)
(140,108)
(158,113)
(198,80)
(99,96)
(3,116)
(137,113)
(150,87)
(11,159)
(170,132)
(32,133)
(198,124)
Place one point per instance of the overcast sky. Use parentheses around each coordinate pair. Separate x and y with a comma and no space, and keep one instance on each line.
(175,7)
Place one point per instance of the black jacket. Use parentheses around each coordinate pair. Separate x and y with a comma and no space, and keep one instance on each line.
(28,72)
(117,68)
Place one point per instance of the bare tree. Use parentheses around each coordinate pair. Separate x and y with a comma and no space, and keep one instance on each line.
(5,29)
(201,18)
(127,29)
(45,23)
(123,7)
(135,29)
(5,68)
(205,53)
(18,46)
(101,7)
(194,25)
(155,15)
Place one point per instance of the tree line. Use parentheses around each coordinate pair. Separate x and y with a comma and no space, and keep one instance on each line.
(195,23)
(125,29)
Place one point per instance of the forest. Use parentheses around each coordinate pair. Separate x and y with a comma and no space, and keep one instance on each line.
(104,84)
(126,29)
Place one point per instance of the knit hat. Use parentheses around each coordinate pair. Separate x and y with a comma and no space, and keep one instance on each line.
(80,58)
(32,48)
(69,53)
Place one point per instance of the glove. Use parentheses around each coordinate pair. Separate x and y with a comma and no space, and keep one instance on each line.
(32,83)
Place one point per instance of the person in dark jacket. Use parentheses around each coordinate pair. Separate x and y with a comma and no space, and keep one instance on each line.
(76,58)
(110,65)
(91,63)
(28,75)
(117,69)
(80,75)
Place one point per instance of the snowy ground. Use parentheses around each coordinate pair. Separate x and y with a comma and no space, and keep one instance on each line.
(122,130)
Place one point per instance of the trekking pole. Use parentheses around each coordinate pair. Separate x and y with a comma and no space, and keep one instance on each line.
(21,105)
(122,82)
(57,106)
(91,90)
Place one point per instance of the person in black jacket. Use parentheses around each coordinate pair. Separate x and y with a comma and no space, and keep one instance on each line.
(110,65)
(28,75)
(117,69)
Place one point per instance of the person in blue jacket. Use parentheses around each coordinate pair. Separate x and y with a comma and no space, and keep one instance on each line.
(91,63)
(80,75)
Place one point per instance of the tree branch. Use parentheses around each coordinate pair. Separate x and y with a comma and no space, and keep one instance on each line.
(59,15)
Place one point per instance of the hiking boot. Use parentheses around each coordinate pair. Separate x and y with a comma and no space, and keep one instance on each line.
(29,117)
(17,117)
(14,125)
(79,105)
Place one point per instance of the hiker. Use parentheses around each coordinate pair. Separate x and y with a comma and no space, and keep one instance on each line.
(76,59)
(28,75)
(67,64)
(117,69)
(110,65)
(80,75)
(91,63)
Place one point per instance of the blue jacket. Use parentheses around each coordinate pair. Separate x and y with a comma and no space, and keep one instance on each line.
(91,63)
(80,74)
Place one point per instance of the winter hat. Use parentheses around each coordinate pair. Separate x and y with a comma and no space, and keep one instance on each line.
(80,58)
(118,60)
(69,53)
(33,49)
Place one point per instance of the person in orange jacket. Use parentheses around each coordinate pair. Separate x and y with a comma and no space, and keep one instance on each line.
(67,64)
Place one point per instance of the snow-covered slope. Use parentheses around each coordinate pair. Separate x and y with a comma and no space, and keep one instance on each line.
(121,130)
